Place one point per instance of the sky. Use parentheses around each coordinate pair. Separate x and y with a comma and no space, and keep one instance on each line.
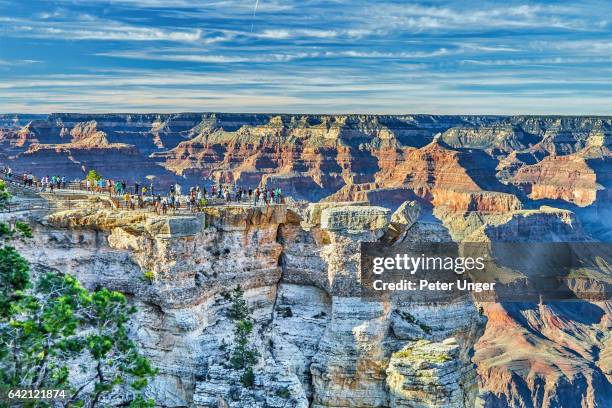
(307,56)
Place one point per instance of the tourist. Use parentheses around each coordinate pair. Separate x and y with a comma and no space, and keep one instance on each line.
(278,195)
(158,203)
(164,206)
(192,202)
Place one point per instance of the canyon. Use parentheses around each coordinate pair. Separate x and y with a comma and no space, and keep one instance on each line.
(379,158)
(352,179)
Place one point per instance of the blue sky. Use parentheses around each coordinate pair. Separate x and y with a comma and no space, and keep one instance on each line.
(448,57)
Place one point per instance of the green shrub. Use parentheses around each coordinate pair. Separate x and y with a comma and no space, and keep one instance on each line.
(149,276)
(24,229)
(93,176)
(248,377)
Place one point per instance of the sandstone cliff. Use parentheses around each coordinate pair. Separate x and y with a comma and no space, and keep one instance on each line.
(321,345)
(390,158)
(475,179)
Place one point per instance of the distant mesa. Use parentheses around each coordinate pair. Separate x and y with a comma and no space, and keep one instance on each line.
(464,163)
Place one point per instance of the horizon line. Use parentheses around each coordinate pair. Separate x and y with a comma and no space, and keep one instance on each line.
(136,112)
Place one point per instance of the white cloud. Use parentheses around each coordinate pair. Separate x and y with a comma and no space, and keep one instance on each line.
(87,27)
(4,62)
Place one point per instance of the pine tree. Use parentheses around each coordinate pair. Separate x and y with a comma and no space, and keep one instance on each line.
(51,325)
(244,355)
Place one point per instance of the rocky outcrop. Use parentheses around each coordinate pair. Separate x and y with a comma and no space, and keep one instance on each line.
(427,374)
(401,220)
(355,219)
(320,343)
(567,178)
(357,373)
(555,353)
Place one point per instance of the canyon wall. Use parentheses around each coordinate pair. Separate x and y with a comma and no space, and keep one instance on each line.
(382,158)
(320,343)
(473,179)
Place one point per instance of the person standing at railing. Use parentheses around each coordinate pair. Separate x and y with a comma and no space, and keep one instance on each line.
(192,201)
(277,195)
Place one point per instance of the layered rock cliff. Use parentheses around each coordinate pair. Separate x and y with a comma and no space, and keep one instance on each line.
(320,343)
(382,158)
(474,179)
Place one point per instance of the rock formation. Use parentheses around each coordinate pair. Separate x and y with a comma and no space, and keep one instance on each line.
(384,159)
(321,344)
(410,178)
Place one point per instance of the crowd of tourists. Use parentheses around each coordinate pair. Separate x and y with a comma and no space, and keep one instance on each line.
(197,197)
(44,183)
(144,195)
